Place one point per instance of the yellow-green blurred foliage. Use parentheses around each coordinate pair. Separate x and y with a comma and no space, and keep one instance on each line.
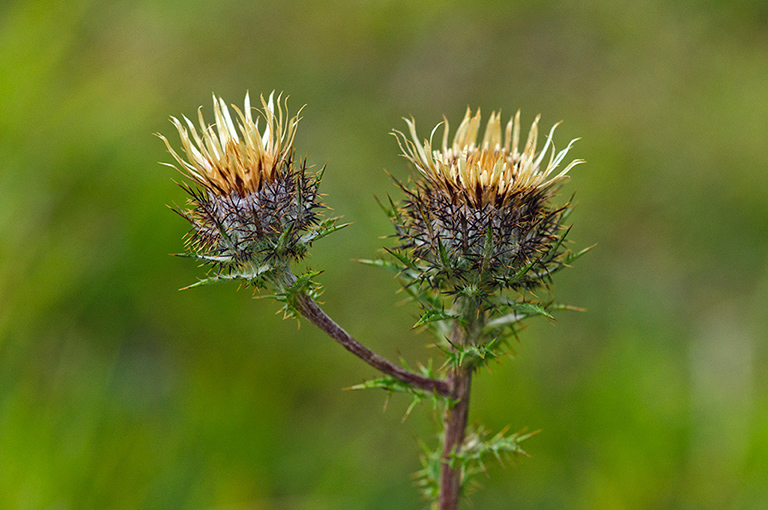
(118,391)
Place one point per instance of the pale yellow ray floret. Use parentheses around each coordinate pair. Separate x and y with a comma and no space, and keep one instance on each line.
(493,171)
(230,156)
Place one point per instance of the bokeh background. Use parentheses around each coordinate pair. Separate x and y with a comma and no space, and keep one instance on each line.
(118,391)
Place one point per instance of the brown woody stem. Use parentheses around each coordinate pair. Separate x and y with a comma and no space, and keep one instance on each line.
(312,312)
(457,410)
(455,425)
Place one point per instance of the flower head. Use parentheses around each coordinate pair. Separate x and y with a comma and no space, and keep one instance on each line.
(480,212)
(225,159)
(253,206)
(493,171)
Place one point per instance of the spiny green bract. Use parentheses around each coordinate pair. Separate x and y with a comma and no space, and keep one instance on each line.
(276,222)
(512,246)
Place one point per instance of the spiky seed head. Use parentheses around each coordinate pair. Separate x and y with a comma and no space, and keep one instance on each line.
(252,203)
(480,211)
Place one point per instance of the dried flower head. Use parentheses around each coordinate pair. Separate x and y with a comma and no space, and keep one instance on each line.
(219,160)
(480,212)
(252,203)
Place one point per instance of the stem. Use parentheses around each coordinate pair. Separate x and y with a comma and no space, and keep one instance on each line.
(456,413)
(310,309)
(455,427)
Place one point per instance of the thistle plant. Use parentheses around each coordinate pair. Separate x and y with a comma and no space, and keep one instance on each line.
(478,238)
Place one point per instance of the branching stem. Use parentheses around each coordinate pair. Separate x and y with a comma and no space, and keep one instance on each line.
(312,312)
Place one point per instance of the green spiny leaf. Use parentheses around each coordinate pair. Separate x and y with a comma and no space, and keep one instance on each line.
(281,245)
(204,258)
(504,321)
(255,277)
(564,262)
(526,309)
(402,258)
(573,256)
(325,228)
(432,315)
(478,446)
(427,479)
(387,383)
(383,263)
(563,306)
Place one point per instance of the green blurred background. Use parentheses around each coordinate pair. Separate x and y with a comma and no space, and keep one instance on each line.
(119,391)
